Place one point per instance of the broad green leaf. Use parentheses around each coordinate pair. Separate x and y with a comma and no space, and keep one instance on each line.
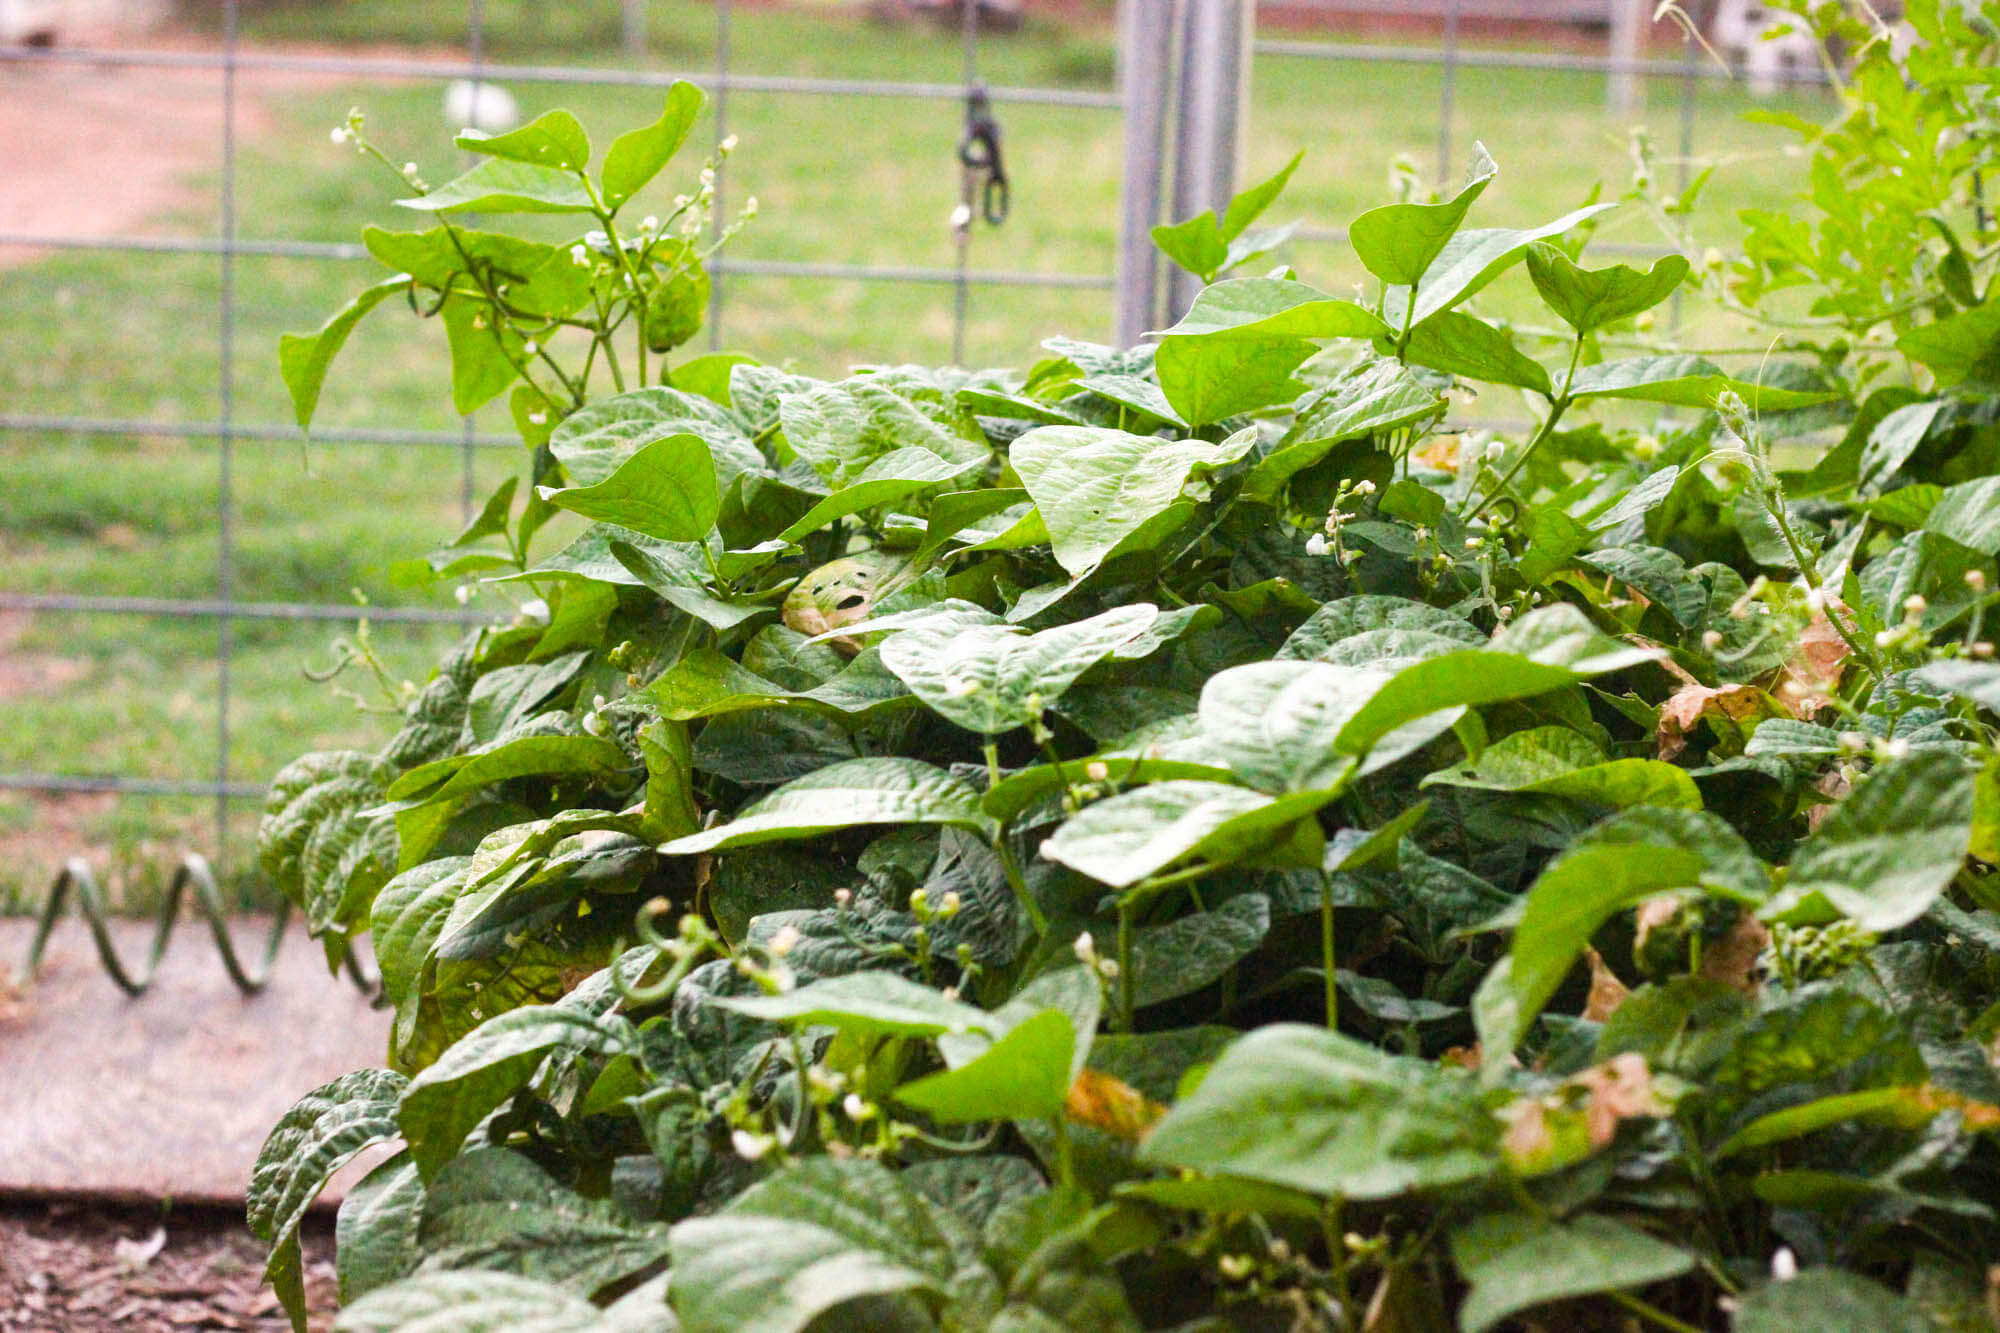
(994,678)
(806,1241)
(1377,397)
(495,1209)
(840,429)
(552,139)
(486,356)
(1208,381)
(1137,834)
(1470,348)
(1560,762)
(499,185)
(1543,650)
(1249,205)
(667,489)
(1906,1108)
(470,1302)
(1348,616)
(322,1132)
(1094,488)
(1887,851)
(708,683)
(1516,1262)
(636,157)
(1275,724)
(303,358)
(1024,1075)
(1588,299)
(1312,1110)
(1398,242)
(1139,394)
(406,917)
(444,1102)
(893,477)
(1469,261)
(375,1235)
(1969,514)
(1223,1194)
(1893,439)
(424,799)
(858,791)
(1195,244)
(1185,955)
(1977,681)
(1684,381)
(1239,342)
(1620,862)
(871,1003)
(592,442)
(1258,310)
(1964,347)
(1826,1299)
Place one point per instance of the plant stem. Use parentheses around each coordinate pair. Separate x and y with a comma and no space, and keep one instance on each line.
(1125,993)
(1326,950)
(1557,406)
(1647,1310)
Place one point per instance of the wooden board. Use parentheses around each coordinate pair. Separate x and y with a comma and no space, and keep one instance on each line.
(168,1096)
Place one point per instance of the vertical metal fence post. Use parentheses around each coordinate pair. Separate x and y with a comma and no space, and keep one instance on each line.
(722,16)
(475,53)
(1447,91)
(225,544)
(634,35)
(962,223)
(1622,90)
(1211,119)
(1145,54)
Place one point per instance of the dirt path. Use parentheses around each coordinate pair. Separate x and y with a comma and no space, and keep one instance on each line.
(81,1269)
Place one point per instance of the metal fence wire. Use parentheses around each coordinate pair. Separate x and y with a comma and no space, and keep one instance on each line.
(1181,93)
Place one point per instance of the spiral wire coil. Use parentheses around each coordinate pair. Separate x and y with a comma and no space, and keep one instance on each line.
(193,873)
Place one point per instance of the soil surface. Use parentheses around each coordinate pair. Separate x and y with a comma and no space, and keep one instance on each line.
(69,1268)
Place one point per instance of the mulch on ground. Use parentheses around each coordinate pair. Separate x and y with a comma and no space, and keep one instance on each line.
(87,1268)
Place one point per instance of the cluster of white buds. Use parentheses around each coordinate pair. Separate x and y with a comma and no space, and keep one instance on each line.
(1086,953)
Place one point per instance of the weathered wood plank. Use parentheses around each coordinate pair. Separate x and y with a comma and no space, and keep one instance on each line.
(170,1095)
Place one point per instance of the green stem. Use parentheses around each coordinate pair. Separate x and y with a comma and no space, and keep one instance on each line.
(1326,951)
(1557,406)
(1649,1311)
(1126,1005)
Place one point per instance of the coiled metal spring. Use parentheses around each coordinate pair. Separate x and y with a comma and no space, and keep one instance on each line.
(78,880)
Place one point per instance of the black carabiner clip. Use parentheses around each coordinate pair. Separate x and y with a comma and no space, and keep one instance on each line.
(979,151)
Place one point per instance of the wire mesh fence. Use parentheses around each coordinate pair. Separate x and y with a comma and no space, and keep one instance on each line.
(174,550)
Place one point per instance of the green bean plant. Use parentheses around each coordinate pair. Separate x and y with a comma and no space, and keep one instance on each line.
(1176,837)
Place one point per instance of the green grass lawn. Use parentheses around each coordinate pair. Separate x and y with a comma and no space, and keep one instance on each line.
(840,180)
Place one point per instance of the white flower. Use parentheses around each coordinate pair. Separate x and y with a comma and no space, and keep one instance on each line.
(463,593)
(707,177)
(578,255)
(1316,544)
(1784,1264)
(341,134)
(1097,770)
(786,940)
(1712,640)
(538,418)
(748,1146)
(1915,605)
(1364,487)
(750,207)
(528,348)
(843,897)
(649,223)
(1086,948)
(728,145)
(961,217)
(856,1108)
